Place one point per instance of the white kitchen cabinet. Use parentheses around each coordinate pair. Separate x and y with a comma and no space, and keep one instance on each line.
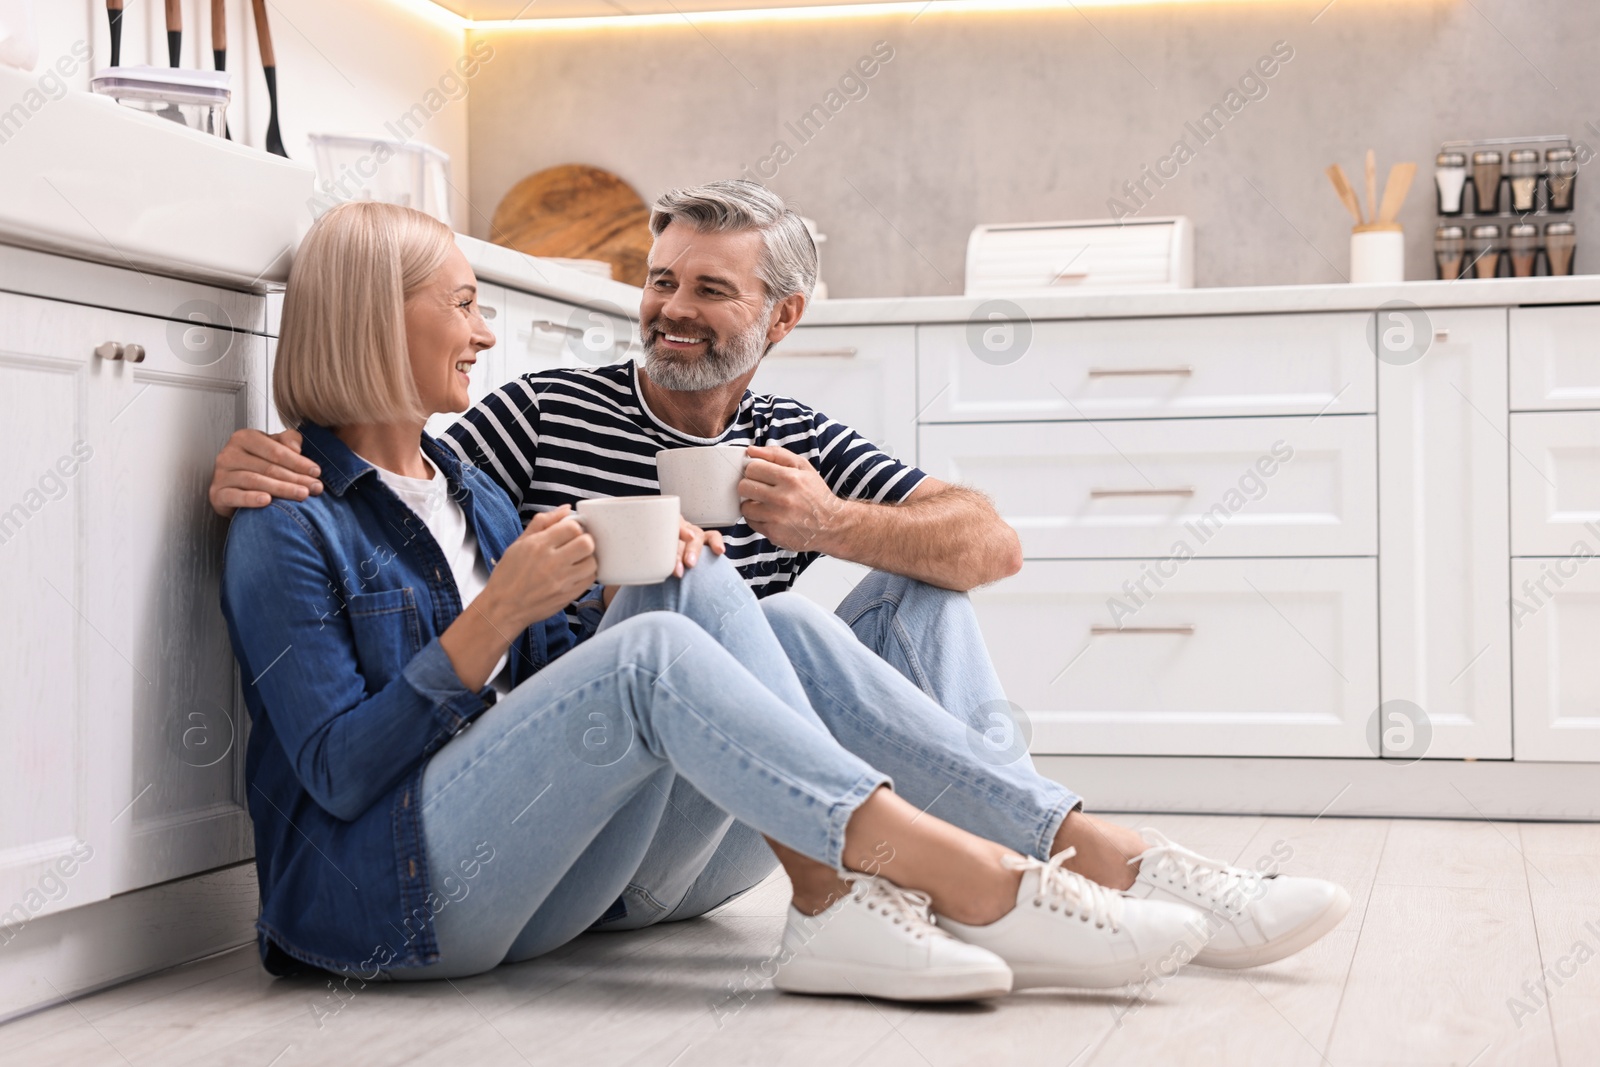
(1264,657)
(1555,482)
(1557,364)
(1003,370)
(540,333)
(1158,487)
(863,377)
(1556,613)
(123,712)
(1443,534)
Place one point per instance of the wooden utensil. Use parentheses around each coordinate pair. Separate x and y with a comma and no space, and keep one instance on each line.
(114,14)
(577,212)
(1395,190)
(174,32)
(1372,185)
(219,45)
(1341,185)
(269,68)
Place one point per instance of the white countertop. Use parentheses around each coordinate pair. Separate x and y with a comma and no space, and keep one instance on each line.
(1118,304)
(518,270)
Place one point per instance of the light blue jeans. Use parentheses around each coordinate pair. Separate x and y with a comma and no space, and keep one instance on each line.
(633,780)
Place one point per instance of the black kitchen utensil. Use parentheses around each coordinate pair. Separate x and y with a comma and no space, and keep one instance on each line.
(219,45)
(174,32)
(114,14)
(269,68)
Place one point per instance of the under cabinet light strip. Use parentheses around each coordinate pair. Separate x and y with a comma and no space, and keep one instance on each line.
(810,12)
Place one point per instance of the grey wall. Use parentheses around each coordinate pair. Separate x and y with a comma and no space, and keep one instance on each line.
(1028,117)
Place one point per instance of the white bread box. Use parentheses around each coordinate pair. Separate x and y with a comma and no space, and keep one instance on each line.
(1035,258)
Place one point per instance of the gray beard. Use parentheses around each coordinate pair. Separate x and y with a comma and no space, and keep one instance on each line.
(721,364)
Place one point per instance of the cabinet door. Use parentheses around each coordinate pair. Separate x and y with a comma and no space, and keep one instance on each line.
(1443,518)
(1204,657)
(1556,604)
(1157,487)
(864,377)
(1553,358)
(1002,369)
(60,684)
(152,581)
(1555,482)
(540,334)
(124,700)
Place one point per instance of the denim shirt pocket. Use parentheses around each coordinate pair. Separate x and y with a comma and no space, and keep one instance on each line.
(387,632)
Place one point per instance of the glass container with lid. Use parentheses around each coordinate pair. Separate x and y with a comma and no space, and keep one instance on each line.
(197,99)
(1450,176)
(1523,169)
(1449,249)
(1486,250)
(1522,240)
(1560,244)
(1562,165)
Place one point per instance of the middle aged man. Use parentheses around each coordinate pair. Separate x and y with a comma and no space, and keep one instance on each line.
(731,271)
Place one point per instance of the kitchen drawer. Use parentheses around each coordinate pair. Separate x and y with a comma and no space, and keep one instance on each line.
(1173,487)
(1268,657)
(1556,688)
(1555,482)
(864,377)
(1555,358)
(1142,368)
(540,334)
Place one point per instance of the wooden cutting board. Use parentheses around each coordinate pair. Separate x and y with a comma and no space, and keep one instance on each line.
(577,212)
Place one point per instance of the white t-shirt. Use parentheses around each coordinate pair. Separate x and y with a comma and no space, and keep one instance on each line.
(447,522)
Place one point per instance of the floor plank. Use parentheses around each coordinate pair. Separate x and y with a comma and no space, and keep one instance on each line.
(1449,920)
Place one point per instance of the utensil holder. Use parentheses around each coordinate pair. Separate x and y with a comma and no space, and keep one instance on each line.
(1377,253)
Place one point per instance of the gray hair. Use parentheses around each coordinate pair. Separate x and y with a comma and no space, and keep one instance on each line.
(789,255)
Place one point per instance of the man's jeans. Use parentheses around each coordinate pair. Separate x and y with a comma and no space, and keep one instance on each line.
(977,774)
(642,768)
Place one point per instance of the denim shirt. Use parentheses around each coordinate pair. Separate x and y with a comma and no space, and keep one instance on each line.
(335,605)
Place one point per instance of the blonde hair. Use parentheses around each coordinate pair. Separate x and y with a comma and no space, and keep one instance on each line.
(342,354)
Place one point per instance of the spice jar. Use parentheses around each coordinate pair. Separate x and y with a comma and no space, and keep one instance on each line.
(1560,243)
(1449,248)
(1485,182)
(1523,169)
(1523,241)
(1485,249)
(1450,175)
(1563,175)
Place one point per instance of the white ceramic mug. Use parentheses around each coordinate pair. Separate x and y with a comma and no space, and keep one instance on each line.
(635,537)
(706,480)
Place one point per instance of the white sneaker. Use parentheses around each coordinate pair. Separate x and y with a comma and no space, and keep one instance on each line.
(1255,918)
(880,942)
(1069,931)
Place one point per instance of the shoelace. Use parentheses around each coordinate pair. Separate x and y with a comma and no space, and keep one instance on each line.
(1088,900)
(1224,884)
(907,906)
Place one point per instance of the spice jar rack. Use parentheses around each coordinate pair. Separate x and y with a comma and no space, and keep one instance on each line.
(1505,205)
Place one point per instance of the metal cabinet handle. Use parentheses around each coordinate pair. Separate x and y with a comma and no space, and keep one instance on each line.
(133,353)
(1104,631)
(1183,371)
(557,327)
(1441,334)
(109,350)
(844,352)
(1177,490)
(487,311)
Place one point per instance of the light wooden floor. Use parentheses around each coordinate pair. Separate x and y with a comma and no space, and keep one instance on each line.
(1450,920)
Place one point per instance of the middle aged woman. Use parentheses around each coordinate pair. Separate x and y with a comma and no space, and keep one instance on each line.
(426,795)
